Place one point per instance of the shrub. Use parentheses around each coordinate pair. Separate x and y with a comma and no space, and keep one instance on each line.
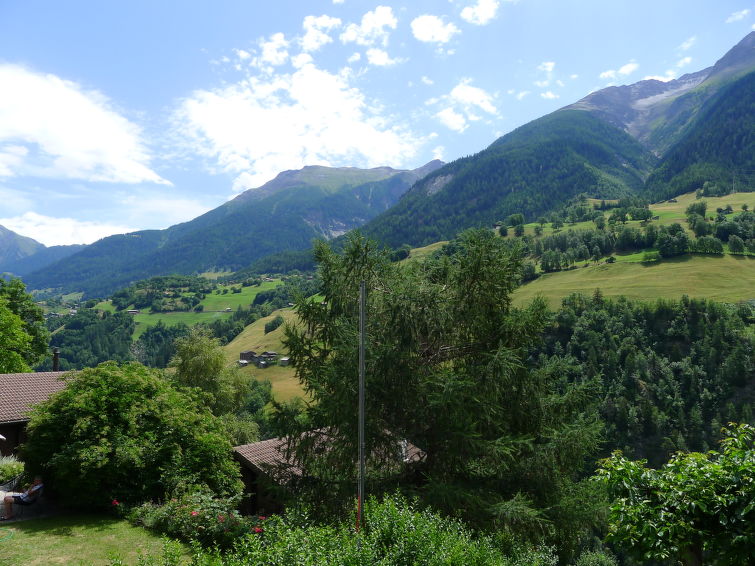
(125,433)
(273,324)
(395,532)
(10,467)
(197,516)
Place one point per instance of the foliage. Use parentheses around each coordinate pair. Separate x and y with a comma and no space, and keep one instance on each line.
(200,362)
(123,432)
(395,532)
(671,371)
(23,334)
(695,504)
(446,369)
(273,324)
(91,337)
(197,515)
(10,467)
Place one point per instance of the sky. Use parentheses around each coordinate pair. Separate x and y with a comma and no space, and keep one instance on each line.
(128,115)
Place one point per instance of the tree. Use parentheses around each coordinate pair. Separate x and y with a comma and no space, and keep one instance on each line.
(123,432)
(15,342)
(20,303)
(696,505)
(736,244)
(447,370)
(200,362)
(519,230)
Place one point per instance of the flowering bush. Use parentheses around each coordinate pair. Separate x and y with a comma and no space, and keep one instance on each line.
(395,532)
(10,467)
(198,516)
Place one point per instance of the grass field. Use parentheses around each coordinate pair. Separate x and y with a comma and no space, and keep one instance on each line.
(725,278)
(253,337)
(74,540)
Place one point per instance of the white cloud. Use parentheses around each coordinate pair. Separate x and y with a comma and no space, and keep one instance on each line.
(427,80)
(338,1)
(522,94)
(688,43)
(546,66)
(165,210)
(373,29)
(263,125)
(549,95)
(438,152)
(622,71)
(355,57)
(574,76)
(66,132)
(452,119)
(431,29)
(463,105)
(53,231)
(380,57)
(480,13)
(737,16)
(274,50)
(683,62)
(472,97)
(316,31)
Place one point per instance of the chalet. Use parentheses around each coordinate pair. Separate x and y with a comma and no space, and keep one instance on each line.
(266,468)
(20,392)
(133,311)
(284,361)
(248,355)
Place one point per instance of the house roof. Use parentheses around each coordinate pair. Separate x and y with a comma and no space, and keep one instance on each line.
(266,453)
(20,391)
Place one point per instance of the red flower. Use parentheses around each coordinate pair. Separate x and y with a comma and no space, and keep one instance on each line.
(194,513)
(114,503)
(258,530)
(262,518)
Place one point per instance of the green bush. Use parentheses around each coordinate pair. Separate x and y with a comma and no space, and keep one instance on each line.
(596,558)
(125,433)
(197,516)
(273,324)
(395,533)
(10,467)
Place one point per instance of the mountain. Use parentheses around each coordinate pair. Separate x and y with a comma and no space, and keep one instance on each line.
(14,247)
(20,255)
(657,113)
(532,170)
(652,138)
(284,214)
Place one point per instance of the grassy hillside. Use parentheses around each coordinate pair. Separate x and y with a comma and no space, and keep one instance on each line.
(725,278)
(285,385)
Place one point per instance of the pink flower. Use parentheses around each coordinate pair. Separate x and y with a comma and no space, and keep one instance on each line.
(115,503)
(194,513)
(262,518)
(258,530)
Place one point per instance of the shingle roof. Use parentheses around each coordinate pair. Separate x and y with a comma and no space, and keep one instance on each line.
(264,454)
(19,391)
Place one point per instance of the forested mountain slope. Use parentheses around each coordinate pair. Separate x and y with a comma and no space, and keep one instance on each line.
(718,149)
(531,170)
(319,202)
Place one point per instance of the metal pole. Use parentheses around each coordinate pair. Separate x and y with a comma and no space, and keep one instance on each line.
(362,332)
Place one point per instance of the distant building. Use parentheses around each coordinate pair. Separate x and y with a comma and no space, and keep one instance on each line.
(284,361)
(133,311)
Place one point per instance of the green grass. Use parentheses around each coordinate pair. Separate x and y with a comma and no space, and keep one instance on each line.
(727,278)
(253,337)
(74,540)
(215,302)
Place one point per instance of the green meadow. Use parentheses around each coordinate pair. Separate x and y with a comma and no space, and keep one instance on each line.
(728,278)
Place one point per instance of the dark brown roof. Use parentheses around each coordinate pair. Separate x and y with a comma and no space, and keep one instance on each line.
(19,391)
(264,454)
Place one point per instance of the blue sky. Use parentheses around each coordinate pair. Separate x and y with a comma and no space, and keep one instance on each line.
(118,116)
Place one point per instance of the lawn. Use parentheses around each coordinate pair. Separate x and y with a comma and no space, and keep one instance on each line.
(76,540)
(725,278)
(253,337)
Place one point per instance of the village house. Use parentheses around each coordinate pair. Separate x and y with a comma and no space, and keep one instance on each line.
(20,392)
